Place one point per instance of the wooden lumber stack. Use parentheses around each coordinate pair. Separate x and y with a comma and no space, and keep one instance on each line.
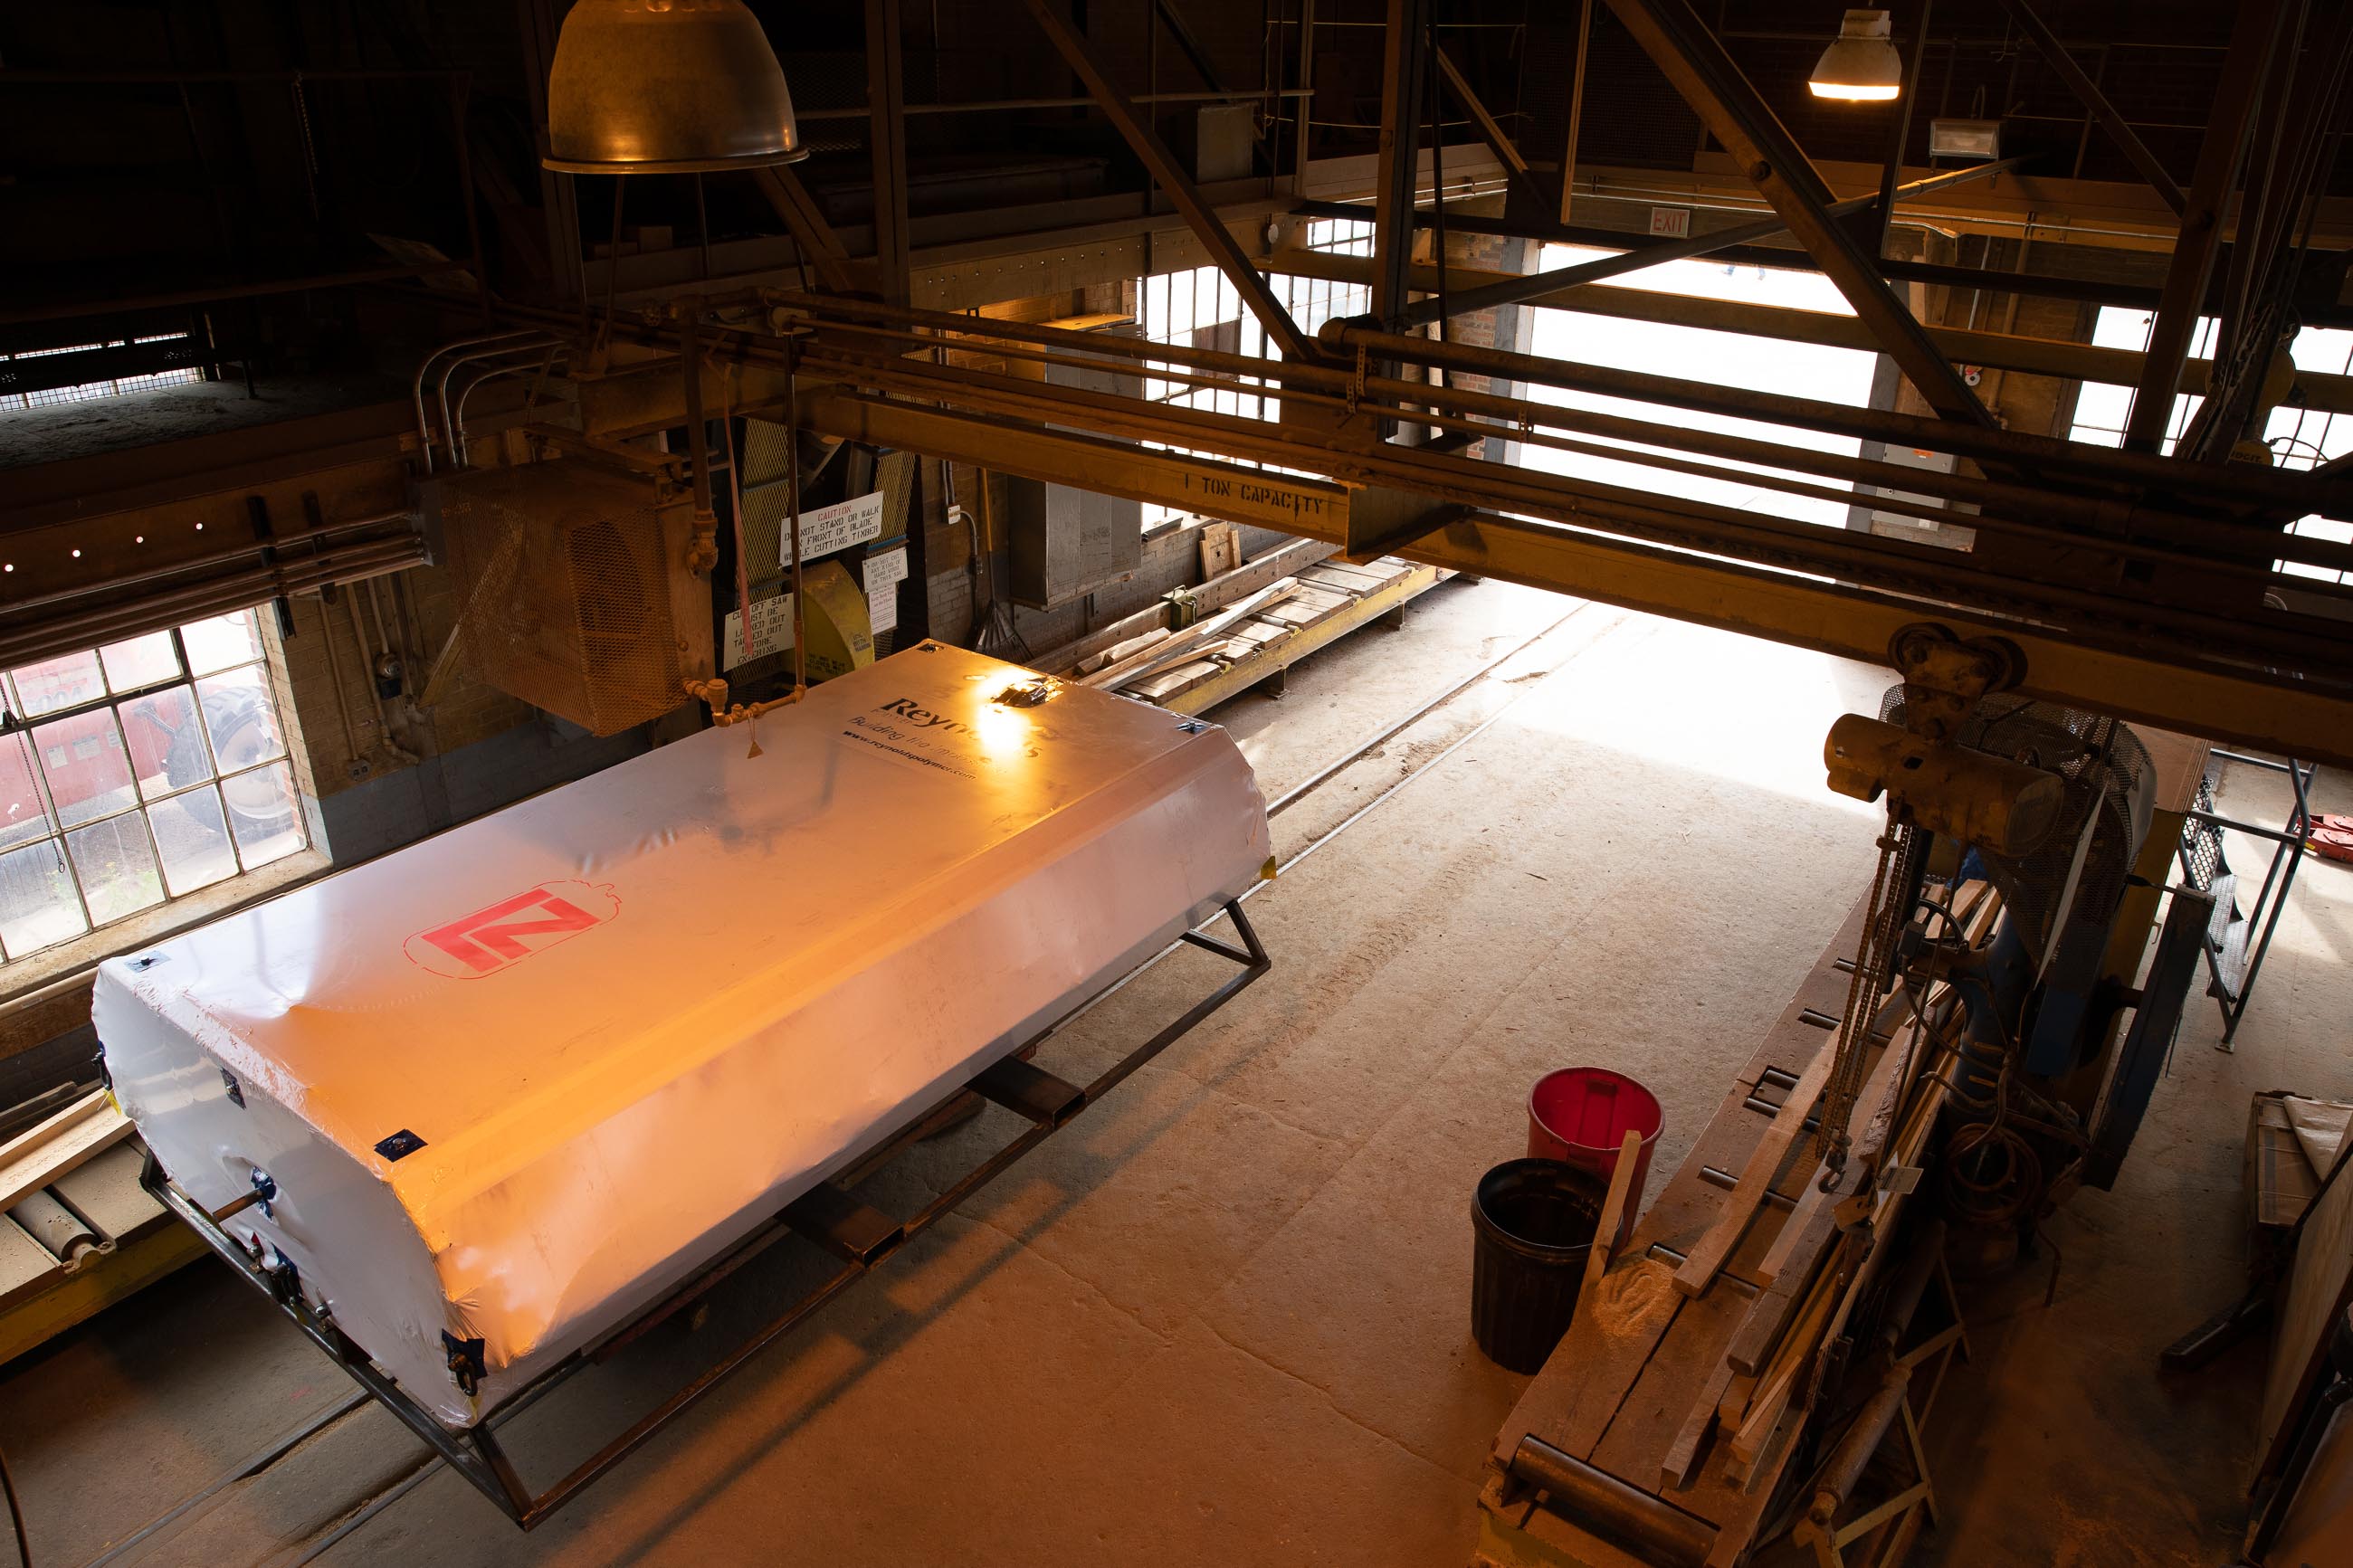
(1711,1338)
(77,1230)
(50,1148)
(1255,635)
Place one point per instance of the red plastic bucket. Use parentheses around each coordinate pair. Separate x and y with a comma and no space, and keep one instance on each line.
(1582,1114)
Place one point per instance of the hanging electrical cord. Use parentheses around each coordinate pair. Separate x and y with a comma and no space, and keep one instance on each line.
(1438,190)
(1889,912)
(736,502)
(793,513)
(15,1513)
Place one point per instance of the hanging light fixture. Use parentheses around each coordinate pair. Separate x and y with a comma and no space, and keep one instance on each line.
(1862,64)
(667,86)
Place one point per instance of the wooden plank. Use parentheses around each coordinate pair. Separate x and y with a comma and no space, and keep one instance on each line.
(1681,1370)
(1779,1379)
(1807,1230)
(52,1126)
(1583,1387)
(1675,1469)
(1180,646)
(1172,682)
(1613,1212)
(34,1168)
(1221,548)
(1602,1354)
(1764,1164)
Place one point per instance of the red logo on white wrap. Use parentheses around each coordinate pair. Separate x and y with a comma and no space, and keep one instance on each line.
(506,932)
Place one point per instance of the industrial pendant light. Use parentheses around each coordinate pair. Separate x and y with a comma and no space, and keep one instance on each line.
(1861,65)
(667,86)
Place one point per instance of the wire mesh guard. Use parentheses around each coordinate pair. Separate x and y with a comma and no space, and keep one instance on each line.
(2105,770)
(564,578)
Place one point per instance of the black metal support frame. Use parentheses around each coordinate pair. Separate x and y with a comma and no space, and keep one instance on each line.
(858,1237)
(2232,993)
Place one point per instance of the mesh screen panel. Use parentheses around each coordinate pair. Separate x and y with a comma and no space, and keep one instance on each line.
(566,591)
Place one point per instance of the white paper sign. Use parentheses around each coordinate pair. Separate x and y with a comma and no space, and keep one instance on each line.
(772,631)
(884,572)
(832,528)
(1675,222)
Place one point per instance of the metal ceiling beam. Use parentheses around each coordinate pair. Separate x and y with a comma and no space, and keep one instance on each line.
(2320,392)
(792,201)
(1499,140)
(2253,36)
(1695,62)
(2317,307)
(2088,93)
(2243,707)
(886,116)
(1207,69)
(1533,284)
(2298,136)
(1575,107)
(1281,330)
(1872,230)
(1403,90)
(2240,489)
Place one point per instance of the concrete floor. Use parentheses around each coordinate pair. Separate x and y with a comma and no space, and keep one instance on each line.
(1223,1316)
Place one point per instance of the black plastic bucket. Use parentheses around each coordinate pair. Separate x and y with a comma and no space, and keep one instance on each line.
(1534,1222)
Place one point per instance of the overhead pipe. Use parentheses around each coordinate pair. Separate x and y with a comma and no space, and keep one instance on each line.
(1682,524)
(2109,527)
(2111,524)
(417,382)
(2111,531)
(116,622)
(283,541)
(2237,484)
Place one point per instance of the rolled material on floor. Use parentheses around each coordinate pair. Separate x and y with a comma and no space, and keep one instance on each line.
(1658,1532)
(509,1086)
(55,1226)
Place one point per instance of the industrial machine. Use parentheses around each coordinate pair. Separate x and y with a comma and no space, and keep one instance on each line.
(2056,1038)
(1977,1043)
(477,1110)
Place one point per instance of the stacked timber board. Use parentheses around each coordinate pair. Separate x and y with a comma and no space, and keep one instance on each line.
(1320,602)
(1643,1387)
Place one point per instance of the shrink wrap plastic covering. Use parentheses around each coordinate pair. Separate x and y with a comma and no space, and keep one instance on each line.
(517,1081)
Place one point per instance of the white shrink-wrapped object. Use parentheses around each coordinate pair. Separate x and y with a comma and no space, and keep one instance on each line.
(516,1082)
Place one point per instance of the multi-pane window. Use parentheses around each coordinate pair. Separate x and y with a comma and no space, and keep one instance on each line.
(136,773)
(1199,308)
(2298,438)
(81,392)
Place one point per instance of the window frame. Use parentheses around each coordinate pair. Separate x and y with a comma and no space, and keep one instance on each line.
(20,728)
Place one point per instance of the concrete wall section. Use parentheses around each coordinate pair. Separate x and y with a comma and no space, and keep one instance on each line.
(382,771)
(398,808)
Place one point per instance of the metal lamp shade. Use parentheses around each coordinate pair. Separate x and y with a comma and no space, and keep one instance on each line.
(1862,64)
(667,86)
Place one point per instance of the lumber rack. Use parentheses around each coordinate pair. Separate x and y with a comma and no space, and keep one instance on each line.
(1756,1357)
(859,1237)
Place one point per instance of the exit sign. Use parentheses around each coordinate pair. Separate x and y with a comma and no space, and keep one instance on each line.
(1670,222)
